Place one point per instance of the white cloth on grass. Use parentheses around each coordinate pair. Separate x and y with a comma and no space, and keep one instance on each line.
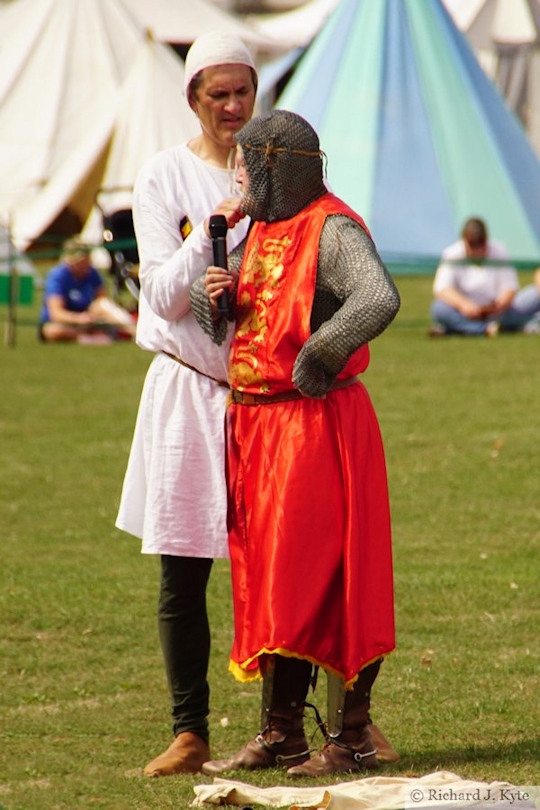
(434,790)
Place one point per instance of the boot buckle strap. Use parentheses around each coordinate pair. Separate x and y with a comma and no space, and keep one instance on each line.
(283,758)
(359,757)
(278,757)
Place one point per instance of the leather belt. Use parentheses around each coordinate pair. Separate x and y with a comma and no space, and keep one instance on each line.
(240,398)
(222,383)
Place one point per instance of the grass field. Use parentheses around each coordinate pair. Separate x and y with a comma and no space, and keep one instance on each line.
(83,703)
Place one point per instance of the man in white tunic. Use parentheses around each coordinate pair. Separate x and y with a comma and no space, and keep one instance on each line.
(177,455)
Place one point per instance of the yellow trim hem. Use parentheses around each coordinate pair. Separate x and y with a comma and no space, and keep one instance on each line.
(241,673)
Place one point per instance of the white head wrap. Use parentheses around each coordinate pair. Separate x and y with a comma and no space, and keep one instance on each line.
(212,49)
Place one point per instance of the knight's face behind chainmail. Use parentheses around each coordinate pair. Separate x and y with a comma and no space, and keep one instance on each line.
(284,165)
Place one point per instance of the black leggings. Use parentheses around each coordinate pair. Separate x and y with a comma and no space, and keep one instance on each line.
(185,640)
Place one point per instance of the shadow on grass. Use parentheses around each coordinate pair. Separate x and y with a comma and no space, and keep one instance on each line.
(502,754)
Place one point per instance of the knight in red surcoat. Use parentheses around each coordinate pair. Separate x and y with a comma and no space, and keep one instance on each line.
(309,517)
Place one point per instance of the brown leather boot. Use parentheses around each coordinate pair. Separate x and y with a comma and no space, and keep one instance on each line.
(270,749)
(383,746)
(186,754)
(338,757)
(349,747)
(282,742)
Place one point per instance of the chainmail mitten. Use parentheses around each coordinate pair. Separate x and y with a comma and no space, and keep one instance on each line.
(355,300)
(310,376)
(215,327)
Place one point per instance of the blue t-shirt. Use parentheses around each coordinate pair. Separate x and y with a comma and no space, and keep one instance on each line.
(77,294)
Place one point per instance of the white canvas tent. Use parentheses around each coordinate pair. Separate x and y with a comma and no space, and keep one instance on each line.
(152,114)
(85,97)
(505,35)
(182,21)
(62,63)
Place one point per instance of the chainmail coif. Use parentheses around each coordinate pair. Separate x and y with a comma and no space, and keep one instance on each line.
(284,164)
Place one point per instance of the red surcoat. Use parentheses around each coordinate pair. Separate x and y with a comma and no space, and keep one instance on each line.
(309,524)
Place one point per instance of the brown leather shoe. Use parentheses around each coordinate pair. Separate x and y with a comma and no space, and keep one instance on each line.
(280,752)
(336,758)
(385,751)
(186,754)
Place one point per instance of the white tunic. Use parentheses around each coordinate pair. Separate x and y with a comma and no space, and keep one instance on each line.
(174,493)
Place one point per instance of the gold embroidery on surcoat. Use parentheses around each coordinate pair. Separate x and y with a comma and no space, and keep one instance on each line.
(262,274)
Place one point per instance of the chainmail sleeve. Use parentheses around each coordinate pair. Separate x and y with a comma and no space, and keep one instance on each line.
(355,300)
(212,325)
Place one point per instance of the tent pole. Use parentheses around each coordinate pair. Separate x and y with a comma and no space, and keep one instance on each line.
(12,290)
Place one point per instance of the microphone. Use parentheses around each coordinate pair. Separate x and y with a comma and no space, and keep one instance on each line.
(218,231)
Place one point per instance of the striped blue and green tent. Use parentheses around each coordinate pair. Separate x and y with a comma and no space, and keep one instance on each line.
(418,139)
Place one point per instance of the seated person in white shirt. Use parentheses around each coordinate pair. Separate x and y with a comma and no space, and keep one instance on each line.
(474,297)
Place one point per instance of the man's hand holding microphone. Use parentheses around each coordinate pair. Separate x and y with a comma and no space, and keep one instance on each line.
(218,280)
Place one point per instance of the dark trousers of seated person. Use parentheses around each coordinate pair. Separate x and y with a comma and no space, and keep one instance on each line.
(184,634)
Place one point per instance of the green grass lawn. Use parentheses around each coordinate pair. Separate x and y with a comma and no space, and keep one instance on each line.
(83,704)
